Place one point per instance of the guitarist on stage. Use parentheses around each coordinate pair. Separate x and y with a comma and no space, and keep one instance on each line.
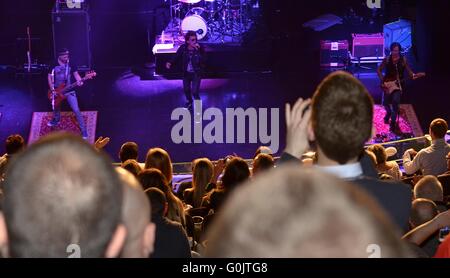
(63,73)
(395,66)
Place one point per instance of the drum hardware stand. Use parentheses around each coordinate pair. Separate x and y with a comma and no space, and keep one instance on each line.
(175,14)
(222,22)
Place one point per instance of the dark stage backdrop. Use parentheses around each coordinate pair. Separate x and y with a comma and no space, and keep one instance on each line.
(15,16)
(123,31)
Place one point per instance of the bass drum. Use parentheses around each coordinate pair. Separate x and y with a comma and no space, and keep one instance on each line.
(195,21)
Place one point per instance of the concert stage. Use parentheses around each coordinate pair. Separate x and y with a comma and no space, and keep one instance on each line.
(131,109)
(275,61)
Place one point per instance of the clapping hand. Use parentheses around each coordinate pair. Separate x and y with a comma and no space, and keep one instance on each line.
(101,142)
(297,122)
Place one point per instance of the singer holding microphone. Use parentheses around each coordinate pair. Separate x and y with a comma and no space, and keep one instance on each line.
(191,55)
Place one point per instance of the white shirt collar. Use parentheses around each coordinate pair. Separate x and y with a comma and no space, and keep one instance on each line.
(348,171)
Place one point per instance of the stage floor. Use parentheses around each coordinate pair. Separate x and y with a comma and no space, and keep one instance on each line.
(130,109)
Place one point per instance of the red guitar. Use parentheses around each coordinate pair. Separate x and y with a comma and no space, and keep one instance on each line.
(58,95)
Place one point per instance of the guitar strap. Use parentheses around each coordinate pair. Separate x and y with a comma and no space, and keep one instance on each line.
(67,73)
(398,78)
(66,77)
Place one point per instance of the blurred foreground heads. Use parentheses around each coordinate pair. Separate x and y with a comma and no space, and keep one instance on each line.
(297,212)
(61,199)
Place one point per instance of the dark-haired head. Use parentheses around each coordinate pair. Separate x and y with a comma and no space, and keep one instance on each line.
(342,113)
(14,144)
(438,128)
(132,166)
(396,49)
(262,162)
(157,200)
(236,171)
(190,34)
(129,150)
(153,178)
(395,45)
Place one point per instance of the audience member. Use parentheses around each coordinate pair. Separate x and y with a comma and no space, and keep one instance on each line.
(340,123)
(264,150)
(235,173)
(423,232)
(443,251)
(262,162)
(136,217)
(431,160)
(422,211)
(14,144)
(295,212)
(159,159)
(170,238)
(129,150)
(62,196)
(202,177)
(382,165)
(430,188)
(155,178)
(132,166)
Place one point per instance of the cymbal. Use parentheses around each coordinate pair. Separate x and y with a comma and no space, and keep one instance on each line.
(189,1)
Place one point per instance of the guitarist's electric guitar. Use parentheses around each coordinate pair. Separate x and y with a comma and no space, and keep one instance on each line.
(57,96)
(392,85)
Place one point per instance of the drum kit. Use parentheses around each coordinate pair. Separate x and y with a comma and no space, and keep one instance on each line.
(211,19)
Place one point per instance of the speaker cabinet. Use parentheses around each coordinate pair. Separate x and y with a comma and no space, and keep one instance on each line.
(71,30)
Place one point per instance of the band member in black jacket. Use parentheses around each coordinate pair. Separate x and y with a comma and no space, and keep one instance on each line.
(191,55)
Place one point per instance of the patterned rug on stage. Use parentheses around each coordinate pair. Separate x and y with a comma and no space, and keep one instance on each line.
(409,125)
(68,123)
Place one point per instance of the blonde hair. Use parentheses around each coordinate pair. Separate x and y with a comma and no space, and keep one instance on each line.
(202,175)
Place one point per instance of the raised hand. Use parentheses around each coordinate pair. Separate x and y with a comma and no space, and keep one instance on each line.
(101,142)
(297,121)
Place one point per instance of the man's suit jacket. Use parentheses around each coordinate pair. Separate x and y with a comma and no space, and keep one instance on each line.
(394,197)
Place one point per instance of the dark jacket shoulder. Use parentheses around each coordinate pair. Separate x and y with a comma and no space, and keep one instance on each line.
(394,197)
(170,240)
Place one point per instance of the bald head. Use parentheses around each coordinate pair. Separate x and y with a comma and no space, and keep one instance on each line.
(429,188)
(60,192)
(136,215)
(310,214)
(422,211)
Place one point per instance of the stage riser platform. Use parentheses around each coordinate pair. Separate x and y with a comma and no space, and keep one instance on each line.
(220,60)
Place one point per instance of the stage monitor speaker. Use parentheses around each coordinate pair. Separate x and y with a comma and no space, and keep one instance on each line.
(71,30)
(334,53)
(368,46)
